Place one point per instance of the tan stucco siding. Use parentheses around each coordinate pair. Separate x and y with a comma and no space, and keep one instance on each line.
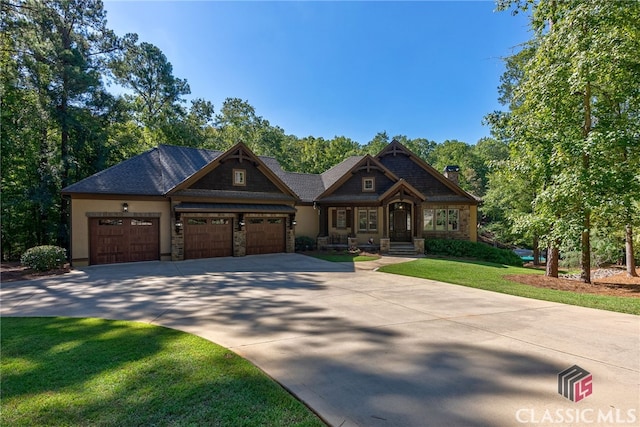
(307,222)
(81,209)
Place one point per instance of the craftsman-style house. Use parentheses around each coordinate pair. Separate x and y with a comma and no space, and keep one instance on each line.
(176,203)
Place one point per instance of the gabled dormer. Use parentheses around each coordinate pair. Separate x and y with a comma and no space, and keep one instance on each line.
(422,176)
(236,174)
(363,181)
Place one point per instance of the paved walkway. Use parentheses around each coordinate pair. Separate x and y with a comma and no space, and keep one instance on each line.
(370,349)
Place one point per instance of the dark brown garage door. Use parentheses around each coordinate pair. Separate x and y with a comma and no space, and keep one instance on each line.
(114,240)
(265,235)
(208,237)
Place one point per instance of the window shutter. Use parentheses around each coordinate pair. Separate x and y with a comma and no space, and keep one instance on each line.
(349,215)
(334,218)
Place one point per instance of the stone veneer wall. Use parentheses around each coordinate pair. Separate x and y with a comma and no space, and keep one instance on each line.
(291,240)
(240,242)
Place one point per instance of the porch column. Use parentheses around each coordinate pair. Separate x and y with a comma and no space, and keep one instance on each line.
(323,218)
(385,220)
(353,221)
(415,221)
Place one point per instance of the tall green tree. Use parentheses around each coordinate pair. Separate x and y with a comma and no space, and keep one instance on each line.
(59,49)
(574,105)
(156,99)
(377,143)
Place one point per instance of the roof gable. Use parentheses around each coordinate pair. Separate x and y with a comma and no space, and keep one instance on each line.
(402,189)
(342,172)
(420,174)
(239,154)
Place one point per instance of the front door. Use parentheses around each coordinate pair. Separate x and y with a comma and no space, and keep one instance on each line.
(400,222)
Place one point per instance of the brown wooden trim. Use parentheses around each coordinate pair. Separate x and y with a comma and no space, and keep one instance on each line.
(123,214)
(213,199)
(401,186)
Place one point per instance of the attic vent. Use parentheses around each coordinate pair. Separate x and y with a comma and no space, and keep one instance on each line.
(452,172)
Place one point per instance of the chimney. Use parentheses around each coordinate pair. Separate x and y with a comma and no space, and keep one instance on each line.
(451,172)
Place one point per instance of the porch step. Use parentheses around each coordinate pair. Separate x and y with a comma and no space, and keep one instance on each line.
(402,249)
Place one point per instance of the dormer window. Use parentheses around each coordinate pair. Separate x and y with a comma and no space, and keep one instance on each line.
(239,177)
(369,184)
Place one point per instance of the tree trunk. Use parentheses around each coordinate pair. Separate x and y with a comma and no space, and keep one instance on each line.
(553,255)
(585,243)
(536,251)
(631,262)
(63,111)
(585,248)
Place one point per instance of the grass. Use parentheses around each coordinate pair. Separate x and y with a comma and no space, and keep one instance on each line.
(68,372)
(344,257)
(488,276)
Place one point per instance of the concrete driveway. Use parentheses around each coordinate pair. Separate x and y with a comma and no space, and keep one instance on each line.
(367,348)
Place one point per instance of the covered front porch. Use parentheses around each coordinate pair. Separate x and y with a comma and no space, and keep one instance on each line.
(392,220)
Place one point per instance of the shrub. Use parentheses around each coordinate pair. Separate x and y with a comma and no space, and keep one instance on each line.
(43,258)
(304,243)
(466,249)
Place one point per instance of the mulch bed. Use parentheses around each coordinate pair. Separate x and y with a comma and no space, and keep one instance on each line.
(619,285)
(13,271)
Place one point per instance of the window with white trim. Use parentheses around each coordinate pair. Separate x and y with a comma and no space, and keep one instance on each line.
(452,222)
(428,219)
(441,219)
(368,184)
(445,220)
(239,177)
(367,219)
(341,221)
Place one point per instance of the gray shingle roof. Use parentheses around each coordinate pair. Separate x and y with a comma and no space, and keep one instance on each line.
(306,185)
(335,173)
(157,171)
(151,173)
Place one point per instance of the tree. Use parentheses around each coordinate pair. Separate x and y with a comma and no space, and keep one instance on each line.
(377,144)
(57,54)
(574,104)
(157,95)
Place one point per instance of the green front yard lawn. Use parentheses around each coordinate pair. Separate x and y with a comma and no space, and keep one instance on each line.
(64,372)
(491,277)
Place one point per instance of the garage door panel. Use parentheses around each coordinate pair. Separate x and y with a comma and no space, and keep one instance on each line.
(265,235)
(208,238)
(114,240)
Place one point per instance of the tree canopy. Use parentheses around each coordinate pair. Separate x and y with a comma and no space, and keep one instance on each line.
(562,163)
(574,119)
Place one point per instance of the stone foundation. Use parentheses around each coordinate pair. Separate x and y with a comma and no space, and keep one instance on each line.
(418,244)
(323,243)
(385,245)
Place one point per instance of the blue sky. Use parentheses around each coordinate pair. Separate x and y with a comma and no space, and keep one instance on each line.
(422,69)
